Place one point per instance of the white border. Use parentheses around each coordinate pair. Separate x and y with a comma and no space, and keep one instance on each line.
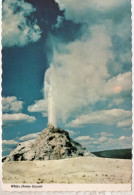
(68,187)
(73,187)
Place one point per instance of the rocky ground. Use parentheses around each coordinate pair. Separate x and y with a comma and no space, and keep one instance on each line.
(52,143)
(71,170)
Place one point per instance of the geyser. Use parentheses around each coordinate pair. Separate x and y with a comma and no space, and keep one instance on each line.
(72,84)
(49,96)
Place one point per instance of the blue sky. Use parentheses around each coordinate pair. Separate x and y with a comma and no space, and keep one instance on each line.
(68,63)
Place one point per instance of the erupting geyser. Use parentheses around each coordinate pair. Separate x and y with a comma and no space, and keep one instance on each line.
(49,96)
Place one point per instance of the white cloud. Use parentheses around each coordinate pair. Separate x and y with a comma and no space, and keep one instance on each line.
(103,139)
(107,143)
(29,136)
(80,68)
(122,138)
(59,22)
(103,133)
(122,82)
(115,102)
(73,70)
(122,51)
(79,11)
(17,117)
(39,106)
(104,12)
(9,142)
(108,117)
(125,123)
(83,138)
(88,139)
(16,27)
(123,30)
(106,134)
(11,103)
(71,132)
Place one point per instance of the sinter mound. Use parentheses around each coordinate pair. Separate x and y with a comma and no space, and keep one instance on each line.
(52,143)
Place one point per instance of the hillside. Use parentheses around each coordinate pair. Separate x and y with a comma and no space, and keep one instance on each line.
(119,153)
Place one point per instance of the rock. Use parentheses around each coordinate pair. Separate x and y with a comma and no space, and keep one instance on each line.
(50,126)
(52,143)
(22,152)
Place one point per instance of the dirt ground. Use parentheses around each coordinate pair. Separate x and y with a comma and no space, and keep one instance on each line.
(74,170)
